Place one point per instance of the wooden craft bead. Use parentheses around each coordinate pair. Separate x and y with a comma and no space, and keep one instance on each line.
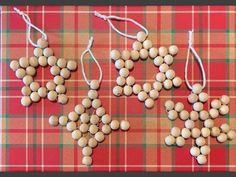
(47,52)
(203,115)
(34,86)
(142,96)
(79,109)
(205,150)
(82,142)
(38,52)
(214,113)
(92,94)
(172,114)
(189,124)
(52,95)
(209,123)
(201,159)
(195,151)
(27,79)
(149,102)
(185,133)
(84,128)
(94,119)
(184,115)
(143,54)
(216,104)
(96,103)
(225,128)
(231,135)
(55,70)
(26,91)
(119,64)
(125,55)
(73,116)
(179,106)
(203,97)
(168,59)
(87,151)
(177,81)
(137,88)
(61,62)
(120,81)
(42,61)
(76,134)
(42,43)
(58,80)
(180,141)
(33,61)
(147,87)
(175,131)
(115,54)
(205,132)
(117,90)
(170,74)
(225,99)
(86,102)
(92,142)
(167,84)
(192,98)
(197,88)
(158,61)
(42,91)
(163,68)
(93,129)
(137,45)
(130,80)
(50,85)
(124,125)
(147,44)
(65,73)
(154,94)
(20,73)
(87,160)
(153,52)
(100,111)
(162,51)
(224,109)
(170,140)
(26,101)
(124,72)
(53,120)
(215,131)
(52,60)
(195,132)
(63,120)
(106,119)
(94,84)
(30,71)
(141,36)
(200,141)
(194,115)
(60,89)
(222,137)
(134,54)
(106,129)
(157,85)
(129,64)
(160,77)
(99,136)
(169,105)
(14,65)
(71,65)
(115,124)
(198,106)
(173,50)
(127,90)
(62,98)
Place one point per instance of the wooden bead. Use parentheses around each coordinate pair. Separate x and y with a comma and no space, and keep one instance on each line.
(53,120)
(124,125)
(83,127)
(79,109)
(192,98)
(120,81)
(141,36)
(184,115)
(209,123)
(42,61)
(20,73)
(14,65)
(26,91)
(201,159)
(99,136)
(205,132)
(222,137)
(125,55)
(82,142)
(203,115)
(195,132)
(179,106)
(214,113)
(194,115)
(197,88)
(62,98)
(87,160)
(106,129)
(129,64)
(203,97)
(26,101)
(94,119)
(162,51)
(55,70)
(50,85)
(175,131)
(33,61)
(215,131)
(63,120)
(154,94)
(225,128)
(185,133)
(153,52)
(60,89)
(173,50)
(87,151)
(158,61)
(167,84)
(216,104)
(86,102)
(93,129)
(170,140)
(200,141)
(42,91)
(231,135)
(38,52)
(47,52)
(30,71)
(100,111)
(143,54)
(92,94)
(124,72)
(170,74)
(149,102)
(195,151)
(128,90)
(115,54)
(52,60)
(163,68)
(96,103)
(58,80)
(160,77)
(225,99)
(61,62)
(205,150)
(134,54)
(157,86)
(76,134)
(180,141)
(117,90)
(224,109)
(147,87)
(71,65)
(65,73)
(27,79)
(168,59)
(106,119)
(92,142)
(189,124)
(142,96)
(73,116)
(137,45)
(42,43)
(34,86)
(147,44)
(172,114)
(137,88)
(198,106)
(52,95)
(177,81)
(94,84)
(169,105)
(115,124)
(119,64)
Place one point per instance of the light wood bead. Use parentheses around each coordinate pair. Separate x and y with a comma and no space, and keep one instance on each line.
(84,128)
(162,51)
(60,89)
(14,65)
(170,74)
(71,65)
(189,124)
(53,120)
(92,94)
(141,36)
(209,123)
(184,115)
(205,150)
(201,159)
(172,114)
(224,109)
(158,61)
(167,84)
(192,98)
(92,142)
(225,99)
(195,132)
(198,106)
(197,88)
(86,102)
(185,133)
(175,131)
(216,104)
(96,103)
(179,106)
(63,120)
(76,134)
(99,136)
(195,151)
(157,85)
(173,50)
(73,116)
(20,73)
(147,44)
(136,89)
(42,61)
(124,72)
(203,97)
(87,160)
(147,87)
(169,140)
(137,45)
(215,131)
(38,52)
(149,102)
(120,81)
(130,80)
(169,105)
(225,128)
(52,60)
(94,84)
(194,115)
(115,54)
(94,119)
(87,151)
(154,94)
(231,135)
(79,109)
(59,80)
(26,101)
(134,54)
(65,73)
(62,98)
(205,132)
(33,61)
(214,113)
(34,86)
(163,68)
(55,70)
(160,77)
(100,111)
(61,62)
(47,52)
(42,91)
(93,129)
(50,85)
(82,142)
(200,141)
(129,64)
(142,96)
(127,90)
(106,129)
(52,95)
(143,54)
(119,64)
(125,55)
(203,115)
(153,52)
(42,43)
(124,125)
(25,90)
(30,71)
(27,79)
(117,90)
(222,137)
(180,141)
(177,81)
(168,59)
(106,119)
(115,124)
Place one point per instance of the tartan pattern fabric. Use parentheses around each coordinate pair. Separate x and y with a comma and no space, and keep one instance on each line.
(28,143)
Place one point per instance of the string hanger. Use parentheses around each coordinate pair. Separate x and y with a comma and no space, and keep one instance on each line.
(27,20)
(199,60)
(88,49)
(113,17)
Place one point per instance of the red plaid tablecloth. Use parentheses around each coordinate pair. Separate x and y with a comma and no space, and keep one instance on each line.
(28,143)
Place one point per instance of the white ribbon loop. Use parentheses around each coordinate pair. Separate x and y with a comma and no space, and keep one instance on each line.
(199,60)
(88,49)
(27,20)
(112,17)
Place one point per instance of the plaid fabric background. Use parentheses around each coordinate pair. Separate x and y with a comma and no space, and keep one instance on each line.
(28,143)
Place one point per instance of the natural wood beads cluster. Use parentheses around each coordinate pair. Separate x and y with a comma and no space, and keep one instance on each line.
(89,130)
(178,136)
(25,69)
(143,49)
